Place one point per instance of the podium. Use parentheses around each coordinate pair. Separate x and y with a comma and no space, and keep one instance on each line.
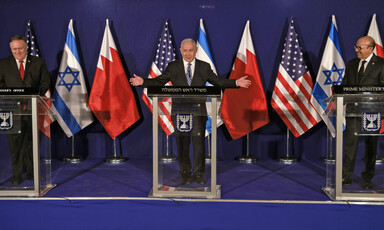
(184,106)
(22,112)
(365,106)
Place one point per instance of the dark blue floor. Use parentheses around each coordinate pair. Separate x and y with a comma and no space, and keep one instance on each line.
(265,180)
(95,195)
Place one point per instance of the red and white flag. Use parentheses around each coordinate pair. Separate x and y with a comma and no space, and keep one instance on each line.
(165,53)
(245,110)
(111,98)
(379,51)
(293,88)
(374,33)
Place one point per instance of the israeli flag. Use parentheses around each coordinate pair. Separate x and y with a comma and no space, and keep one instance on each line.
(331,72)
(70,104)
(204,54)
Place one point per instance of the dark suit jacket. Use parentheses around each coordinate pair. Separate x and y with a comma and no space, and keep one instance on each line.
(373,74)
(36,74)
(176,74)
(203,73)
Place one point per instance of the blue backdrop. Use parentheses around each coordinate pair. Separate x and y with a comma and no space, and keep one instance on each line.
(136,25)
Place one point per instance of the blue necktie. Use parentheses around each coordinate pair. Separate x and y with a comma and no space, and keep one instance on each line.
(189,74)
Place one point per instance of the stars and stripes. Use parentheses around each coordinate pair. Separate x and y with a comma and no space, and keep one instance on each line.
(165,53)
(293,88)
(46,120)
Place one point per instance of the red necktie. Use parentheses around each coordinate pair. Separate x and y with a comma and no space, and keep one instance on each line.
(21,69)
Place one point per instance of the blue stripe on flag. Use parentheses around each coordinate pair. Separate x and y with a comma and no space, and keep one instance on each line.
(334,36)
(204,43)
(71,43)
(66,114)
(320,95)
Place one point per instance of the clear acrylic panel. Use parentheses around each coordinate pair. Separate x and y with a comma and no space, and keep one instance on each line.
(358,120)
(23,124)
(188,175)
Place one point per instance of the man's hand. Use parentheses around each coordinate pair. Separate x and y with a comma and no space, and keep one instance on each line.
(243,82)
(136,80)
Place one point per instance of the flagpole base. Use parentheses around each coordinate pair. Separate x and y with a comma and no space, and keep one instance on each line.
(379,160)
(116,160)
(288,160)
(167,159)
(46,160)
(73,159)
(208,159)
(329,160)
(246,159)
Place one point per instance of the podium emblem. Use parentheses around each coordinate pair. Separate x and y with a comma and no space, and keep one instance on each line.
(371,122)
(6,120)
(184,123)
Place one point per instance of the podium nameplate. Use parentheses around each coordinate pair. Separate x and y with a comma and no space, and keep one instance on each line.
(184,91)
(338,89)
(19,91)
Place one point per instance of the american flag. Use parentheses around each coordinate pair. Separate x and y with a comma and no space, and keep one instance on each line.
(165,53)
(44,122)
(293,88)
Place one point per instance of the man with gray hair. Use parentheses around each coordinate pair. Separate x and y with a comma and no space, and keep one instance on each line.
(22,71)
(190,71)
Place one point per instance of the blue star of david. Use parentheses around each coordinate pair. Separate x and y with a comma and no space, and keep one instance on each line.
(68,71)
(328,74)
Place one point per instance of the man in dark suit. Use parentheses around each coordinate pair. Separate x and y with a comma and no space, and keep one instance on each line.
(365,70)
(22,71)
(190,71)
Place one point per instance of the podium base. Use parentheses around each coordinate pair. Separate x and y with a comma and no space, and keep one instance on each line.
(167,159)
(246,159)
(116,160)
(288,160)
(72,159)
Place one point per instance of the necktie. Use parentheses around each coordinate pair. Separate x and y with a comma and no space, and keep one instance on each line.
(21,69)
(361,71)
(189,74)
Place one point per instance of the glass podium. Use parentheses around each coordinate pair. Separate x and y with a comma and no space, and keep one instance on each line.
(22,117)
(187,108)
(363,108)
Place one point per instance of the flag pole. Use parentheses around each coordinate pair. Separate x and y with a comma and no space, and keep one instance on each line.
(287,159)
(73,158)
(329,158)
(115,159)
(167,158)
(247,158)
(208,157)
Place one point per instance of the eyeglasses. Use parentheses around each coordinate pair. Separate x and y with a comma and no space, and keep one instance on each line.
(360,47)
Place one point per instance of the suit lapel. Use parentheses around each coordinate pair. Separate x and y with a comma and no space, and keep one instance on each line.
(369,68)
(13,65)
(27,67)
(181,72)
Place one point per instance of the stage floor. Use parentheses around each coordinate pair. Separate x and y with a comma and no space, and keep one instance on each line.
(264,180)
(265,195)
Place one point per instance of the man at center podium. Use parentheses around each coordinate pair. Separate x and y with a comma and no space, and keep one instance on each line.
(190,71)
